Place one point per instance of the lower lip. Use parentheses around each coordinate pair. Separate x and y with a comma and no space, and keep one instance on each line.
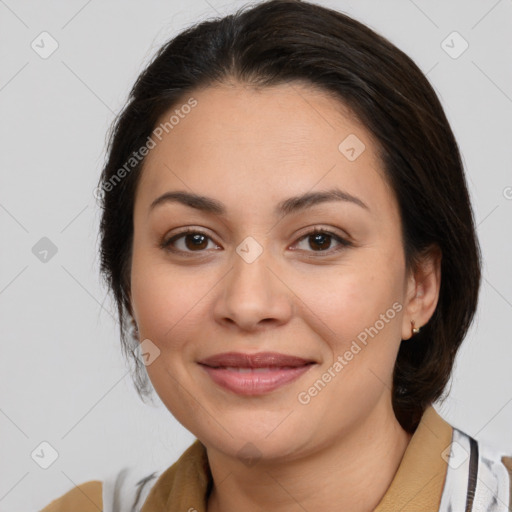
(255,382)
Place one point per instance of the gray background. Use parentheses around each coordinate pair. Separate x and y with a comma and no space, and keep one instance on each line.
(64,380)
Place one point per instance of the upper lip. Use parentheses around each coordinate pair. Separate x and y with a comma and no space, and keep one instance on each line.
(258,360)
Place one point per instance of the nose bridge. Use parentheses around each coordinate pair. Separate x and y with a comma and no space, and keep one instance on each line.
(250,273)
(251,292)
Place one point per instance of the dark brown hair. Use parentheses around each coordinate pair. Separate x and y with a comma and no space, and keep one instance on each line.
(282,41)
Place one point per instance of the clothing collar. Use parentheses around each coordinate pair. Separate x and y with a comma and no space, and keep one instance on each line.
(419,480)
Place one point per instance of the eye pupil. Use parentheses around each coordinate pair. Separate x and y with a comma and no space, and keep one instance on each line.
(198,240)
(321,239)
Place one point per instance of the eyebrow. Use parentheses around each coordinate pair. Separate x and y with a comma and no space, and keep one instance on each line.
(286,207)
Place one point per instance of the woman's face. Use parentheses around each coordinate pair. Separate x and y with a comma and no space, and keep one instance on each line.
(254,278)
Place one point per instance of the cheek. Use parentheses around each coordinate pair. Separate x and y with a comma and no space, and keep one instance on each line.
(169,302)
(351,299)
(168,310)
(159,299)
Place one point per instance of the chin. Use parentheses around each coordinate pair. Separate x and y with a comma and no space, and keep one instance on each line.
(248,439)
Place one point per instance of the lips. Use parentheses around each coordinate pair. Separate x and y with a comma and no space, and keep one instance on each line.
(259,360)
(254,374)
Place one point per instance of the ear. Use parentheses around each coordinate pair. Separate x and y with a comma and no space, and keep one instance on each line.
(422,290)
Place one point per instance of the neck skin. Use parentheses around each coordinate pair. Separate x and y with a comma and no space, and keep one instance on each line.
(354,473)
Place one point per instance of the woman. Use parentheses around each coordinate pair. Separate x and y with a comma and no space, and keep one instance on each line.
(285,214)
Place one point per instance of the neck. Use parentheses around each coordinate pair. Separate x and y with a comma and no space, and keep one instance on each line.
(354,472)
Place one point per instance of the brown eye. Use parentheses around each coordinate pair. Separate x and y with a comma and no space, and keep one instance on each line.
(195,241)
(187,241)
(321,240)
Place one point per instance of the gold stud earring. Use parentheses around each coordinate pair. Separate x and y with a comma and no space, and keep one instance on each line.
(415,330)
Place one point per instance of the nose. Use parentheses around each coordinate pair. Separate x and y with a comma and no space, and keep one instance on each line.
(253,296)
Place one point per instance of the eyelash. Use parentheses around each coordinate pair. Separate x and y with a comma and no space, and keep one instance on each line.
(343,243)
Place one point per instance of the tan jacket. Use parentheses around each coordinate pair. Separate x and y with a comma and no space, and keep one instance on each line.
(416,487)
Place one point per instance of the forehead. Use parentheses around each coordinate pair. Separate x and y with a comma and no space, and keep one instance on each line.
(241,141)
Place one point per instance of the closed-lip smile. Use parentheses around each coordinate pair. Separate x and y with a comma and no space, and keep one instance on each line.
(254,374)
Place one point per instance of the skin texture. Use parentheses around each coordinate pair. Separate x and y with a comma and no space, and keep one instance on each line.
(250,149)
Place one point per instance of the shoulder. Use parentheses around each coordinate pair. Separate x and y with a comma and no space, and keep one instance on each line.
(479,475)
(119,491)
(495,471)
(494,477)
(86,497)
(132,487)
